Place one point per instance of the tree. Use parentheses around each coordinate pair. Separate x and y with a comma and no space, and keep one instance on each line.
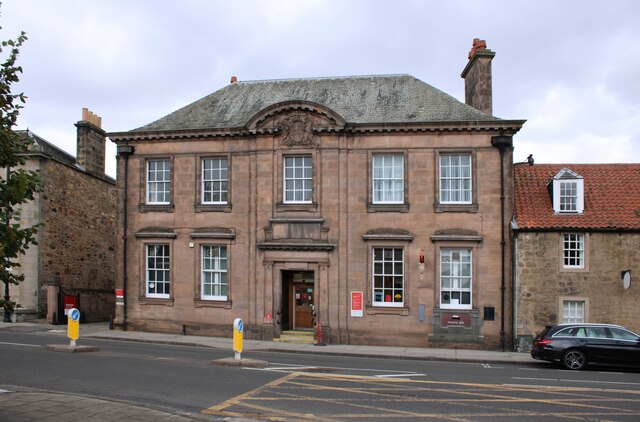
(17,185)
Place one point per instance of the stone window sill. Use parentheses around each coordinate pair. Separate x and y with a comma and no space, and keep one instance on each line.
(384,310)
(470,208)
(213,207)
(388,207)
(143,300)
(156,208)
(574,270)
(310,207)
(202,303)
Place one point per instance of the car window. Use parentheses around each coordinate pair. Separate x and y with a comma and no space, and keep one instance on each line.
(596,332)
(543,332)
(621,334)
(570,332)
(580,332)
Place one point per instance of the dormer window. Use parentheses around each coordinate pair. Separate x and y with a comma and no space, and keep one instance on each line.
(569,196)
(568,192)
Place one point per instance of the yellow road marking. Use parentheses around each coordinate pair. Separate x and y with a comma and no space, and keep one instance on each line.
(238,399)
(383,390)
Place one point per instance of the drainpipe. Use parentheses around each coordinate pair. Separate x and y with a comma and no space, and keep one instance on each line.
(7,314)
(514,300)
(124,151)
(502,142)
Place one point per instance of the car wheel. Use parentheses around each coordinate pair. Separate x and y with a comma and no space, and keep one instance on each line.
(574,359)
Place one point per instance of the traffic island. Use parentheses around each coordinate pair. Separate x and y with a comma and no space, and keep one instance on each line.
(238,329)
(73,332)
(247,363)
(70,348)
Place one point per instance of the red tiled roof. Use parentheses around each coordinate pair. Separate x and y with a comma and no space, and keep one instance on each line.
(611,197)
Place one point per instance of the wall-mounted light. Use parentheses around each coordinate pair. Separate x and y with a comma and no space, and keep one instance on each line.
(626,278)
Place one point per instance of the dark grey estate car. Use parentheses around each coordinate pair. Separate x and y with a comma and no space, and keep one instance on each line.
(576,345)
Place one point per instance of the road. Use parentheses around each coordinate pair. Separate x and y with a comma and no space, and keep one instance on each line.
(316,387)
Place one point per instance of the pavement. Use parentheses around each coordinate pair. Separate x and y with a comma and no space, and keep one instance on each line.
(34,405)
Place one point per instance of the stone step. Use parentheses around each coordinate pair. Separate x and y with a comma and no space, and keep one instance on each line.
(303,337)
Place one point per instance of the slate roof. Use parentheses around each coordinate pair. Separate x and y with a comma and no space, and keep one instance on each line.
(611,197)
(41,146)
(357,99)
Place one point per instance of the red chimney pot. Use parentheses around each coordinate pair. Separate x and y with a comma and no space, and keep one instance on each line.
(478,44)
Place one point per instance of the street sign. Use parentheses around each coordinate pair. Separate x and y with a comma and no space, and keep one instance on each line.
(74,314)
(73,325)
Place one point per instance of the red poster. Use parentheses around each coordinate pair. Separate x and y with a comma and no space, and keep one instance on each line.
(356,304)
(70,302)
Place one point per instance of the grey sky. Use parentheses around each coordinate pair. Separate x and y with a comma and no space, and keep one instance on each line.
(570,68)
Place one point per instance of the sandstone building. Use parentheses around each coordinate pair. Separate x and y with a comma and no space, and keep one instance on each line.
(75,255)
(374,207)
(576,239)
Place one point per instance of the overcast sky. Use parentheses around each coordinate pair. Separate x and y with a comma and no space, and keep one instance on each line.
(570,68)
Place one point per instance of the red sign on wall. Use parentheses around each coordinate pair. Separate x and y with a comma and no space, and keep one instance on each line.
(356,304)
(450,319)
(120,297)
(70,302)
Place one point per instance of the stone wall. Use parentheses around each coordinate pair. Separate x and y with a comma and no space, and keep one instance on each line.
(77,245)
(541,283)
(27,292)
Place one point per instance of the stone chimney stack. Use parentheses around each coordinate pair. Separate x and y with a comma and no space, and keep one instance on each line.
(91,143)
(477,77)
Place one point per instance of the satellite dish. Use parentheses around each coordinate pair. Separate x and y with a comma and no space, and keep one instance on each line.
(626,279)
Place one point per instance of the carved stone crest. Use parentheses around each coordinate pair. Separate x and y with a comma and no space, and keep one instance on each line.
(296,130)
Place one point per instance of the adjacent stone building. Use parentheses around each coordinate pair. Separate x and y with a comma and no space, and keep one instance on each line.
(75,255)
(576,239)
(371,208)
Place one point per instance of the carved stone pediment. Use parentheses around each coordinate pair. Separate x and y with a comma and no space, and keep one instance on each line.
(296,130)
(296,123)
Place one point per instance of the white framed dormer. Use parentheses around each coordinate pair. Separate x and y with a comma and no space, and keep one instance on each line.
(567,192)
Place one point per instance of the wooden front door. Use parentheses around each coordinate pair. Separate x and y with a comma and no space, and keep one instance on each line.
(301,300)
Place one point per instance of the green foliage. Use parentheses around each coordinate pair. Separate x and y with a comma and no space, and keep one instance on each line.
(17,185)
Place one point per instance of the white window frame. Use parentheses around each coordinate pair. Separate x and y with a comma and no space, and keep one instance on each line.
(574,311)
(387,178)
(568,196)
(456,272)
(573,250)
(158,182)
(568,192)
(455,178)
(214,268)
(297,180)
(157,270)
(216,185)
(387,267)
